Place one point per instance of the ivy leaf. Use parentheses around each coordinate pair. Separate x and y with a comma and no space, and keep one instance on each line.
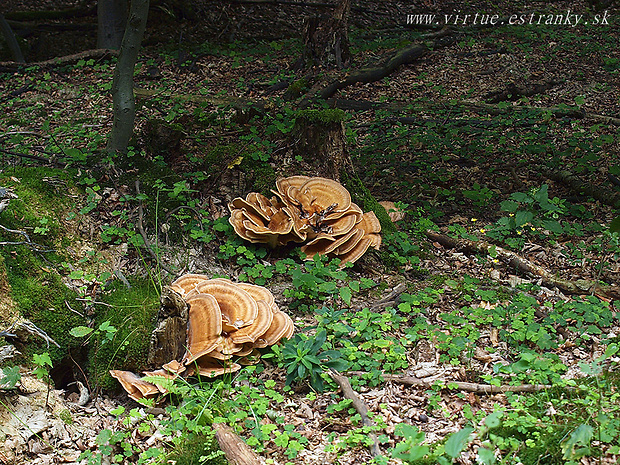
(10,377)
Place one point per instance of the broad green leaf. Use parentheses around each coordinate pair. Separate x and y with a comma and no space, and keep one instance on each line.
(10,377)
(80,331)
(42,359)
(494,420)
(486,456)
(345,294)
(457,441)
(580,437)
(614,226)
(523,217)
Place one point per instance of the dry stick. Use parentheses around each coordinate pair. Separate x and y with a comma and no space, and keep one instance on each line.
(347,391)
(390,299)
(147,243)
(578,287)
(237,452)
(458,385)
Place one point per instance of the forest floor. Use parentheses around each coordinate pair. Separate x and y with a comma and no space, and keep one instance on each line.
(536,174)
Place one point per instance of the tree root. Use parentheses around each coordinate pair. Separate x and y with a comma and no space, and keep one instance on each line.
(359,405)
(577,287)
(459,385)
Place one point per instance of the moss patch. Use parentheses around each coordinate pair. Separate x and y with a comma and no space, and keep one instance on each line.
(132,312)
(362,196)
(327,116)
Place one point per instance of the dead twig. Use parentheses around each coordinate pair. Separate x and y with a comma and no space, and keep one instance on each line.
(459,385)
(359,405)
(391,299)
(237,452)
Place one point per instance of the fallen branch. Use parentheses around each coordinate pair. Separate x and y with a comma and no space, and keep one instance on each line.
(97,54)
(359,405)
(237,452)
(575,184)
(577,287)
(405,56)
(391,298)
(458,385)
(514,92)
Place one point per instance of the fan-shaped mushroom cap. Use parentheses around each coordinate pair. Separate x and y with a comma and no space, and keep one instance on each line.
(360,249)
(174,367)
(210,367)
(283,185)
(325,194)
(375,240)
(290,327)
(164,374)
(281,325)
(237,307)
(370,223)
(339,226)
(134,385)
(204,326)
(349,244)
(186,283)
(258,292)
(260,326)
(394,213)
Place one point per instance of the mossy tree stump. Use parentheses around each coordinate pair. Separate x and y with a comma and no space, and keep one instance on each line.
(168,338)
(319,142)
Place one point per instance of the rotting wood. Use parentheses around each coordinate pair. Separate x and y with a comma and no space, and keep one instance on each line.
(575,184)
(514,91)
(237,452)
(391,299)
(359,405)
(577,287)
(476,388)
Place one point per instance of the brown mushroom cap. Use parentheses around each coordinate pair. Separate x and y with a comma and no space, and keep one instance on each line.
(260,326)
(360,249)
(134,385)
(174,367)
(204,326)
(325,194)
(258,292)
(283,185)
(281,325)
(210,367)
(370,223)
(186,283)
(394,213)
(238,308)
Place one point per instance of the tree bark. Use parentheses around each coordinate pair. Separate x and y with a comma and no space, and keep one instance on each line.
(111,21)
(326,39)
(122,86)
(11,40)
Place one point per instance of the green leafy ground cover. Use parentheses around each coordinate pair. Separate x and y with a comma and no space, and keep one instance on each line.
(453,167)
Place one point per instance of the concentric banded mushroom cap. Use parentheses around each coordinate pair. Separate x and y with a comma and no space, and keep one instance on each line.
(281,325)
(257,292)
(210,367)
(186,283)
(204,326)
(134,385)
(283,185)
(259,327)
(326,194)
(354,254)
(174,367)
(339,226)
(164,374)
(237,307)
(370,223)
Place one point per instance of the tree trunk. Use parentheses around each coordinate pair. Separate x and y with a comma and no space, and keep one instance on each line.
(11,40)
(320,143)
(326,39)
(122,86)
(111,21)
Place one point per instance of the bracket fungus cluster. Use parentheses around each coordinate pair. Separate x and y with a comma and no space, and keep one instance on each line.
(317,212)
(225,320)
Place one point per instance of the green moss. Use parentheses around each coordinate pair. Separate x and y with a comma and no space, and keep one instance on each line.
(297,89)
(132,312)
(190,450)
(327,116)
(362,196)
